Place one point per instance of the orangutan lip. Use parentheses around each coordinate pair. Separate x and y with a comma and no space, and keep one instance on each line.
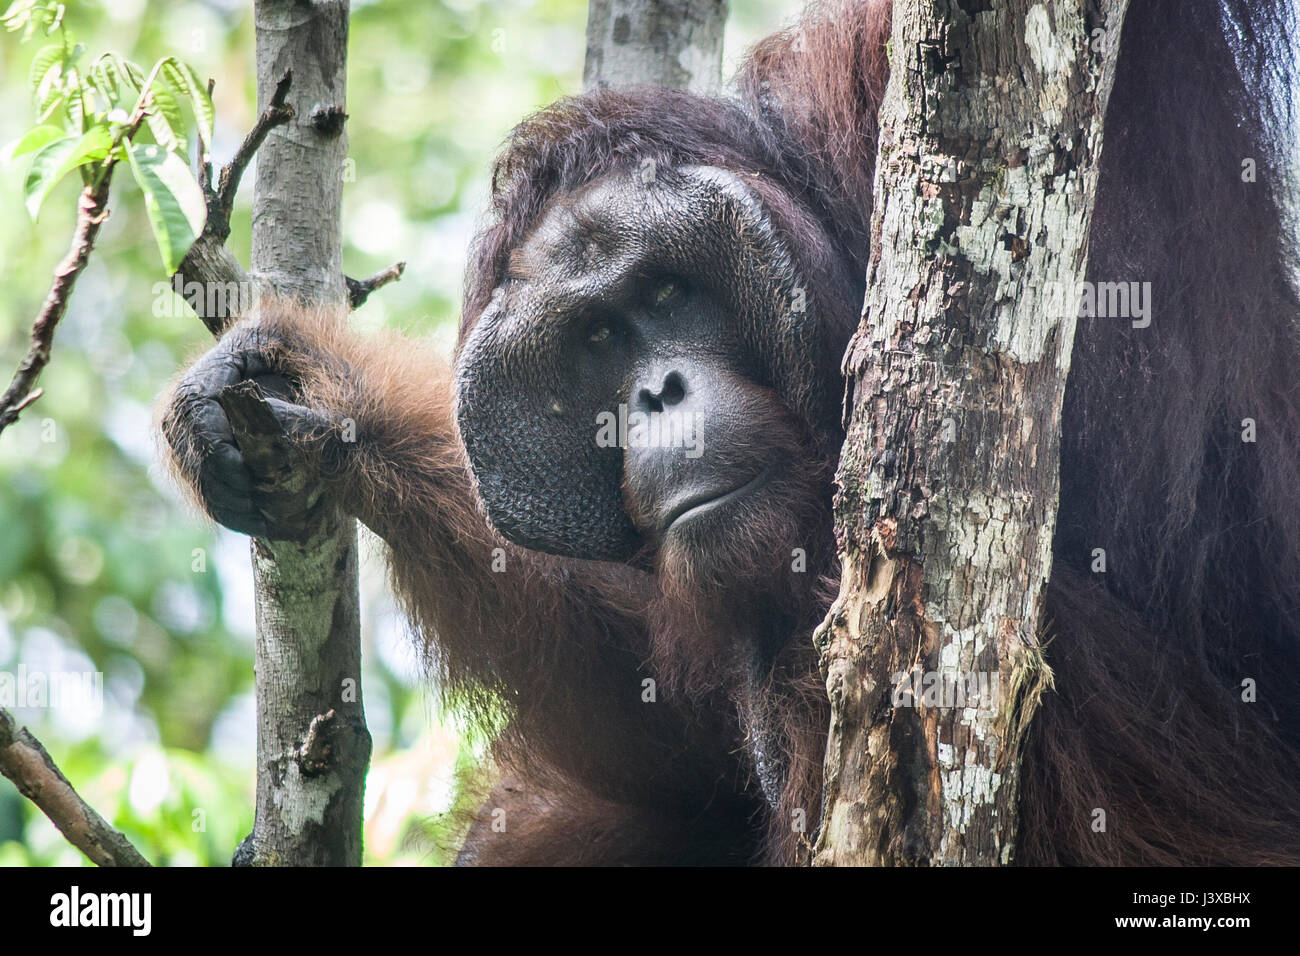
(697,505)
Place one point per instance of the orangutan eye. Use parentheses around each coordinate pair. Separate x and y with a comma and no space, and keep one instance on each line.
(666,291)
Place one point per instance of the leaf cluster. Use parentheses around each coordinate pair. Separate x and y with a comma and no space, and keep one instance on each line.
(89,118)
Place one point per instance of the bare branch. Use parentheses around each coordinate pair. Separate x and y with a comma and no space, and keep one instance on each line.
(91,212)
(24,761)
(277,113)
(205,153)
(359,289)
(209,264)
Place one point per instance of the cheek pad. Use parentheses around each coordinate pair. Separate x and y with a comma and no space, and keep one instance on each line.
(545,483)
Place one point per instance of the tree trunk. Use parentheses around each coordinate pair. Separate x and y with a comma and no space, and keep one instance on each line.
(313,748)
(670,43)
(991,132)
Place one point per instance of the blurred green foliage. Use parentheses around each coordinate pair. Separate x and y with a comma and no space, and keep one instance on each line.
(102,566)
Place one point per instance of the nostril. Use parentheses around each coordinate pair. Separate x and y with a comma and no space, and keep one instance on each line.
(674,389)
(671,391)
(648,401)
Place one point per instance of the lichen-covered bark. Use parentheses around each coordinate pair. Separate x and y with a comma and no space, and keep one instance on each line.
(312,744)
(990,138)
(669,43)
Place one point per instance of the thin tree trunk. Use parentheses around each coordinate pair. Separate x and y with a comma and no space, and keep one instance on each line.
(991,133)
(669,43)
(312,744)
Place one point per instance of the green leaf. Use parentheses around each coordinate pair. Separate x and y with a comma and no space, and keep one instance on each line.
(115,77)
(33,139)
(107,76)
(172,198)
(75,106)
(133,73)
(49,87)
(45,60)
(165,119)
(48,107)
(19,12)
(56,18)
(185,82)
(51,92)
(58,158)
(42,177)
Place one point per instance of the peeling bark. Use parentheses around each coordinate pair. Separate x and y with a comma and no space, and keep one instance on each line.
(991,133)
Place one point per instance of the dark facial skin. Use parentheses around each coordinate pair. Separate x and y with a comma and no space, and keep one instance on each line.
(669,485)
(659,425)
(650,368)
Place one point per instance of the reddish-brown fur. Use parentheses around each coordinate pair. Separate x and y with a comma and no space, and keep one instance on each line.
(1201,530)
